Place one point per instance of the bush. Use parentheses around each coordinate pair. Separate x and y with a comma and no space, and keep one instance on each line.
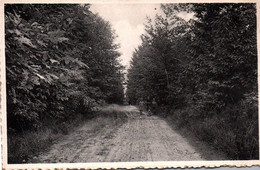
(234,131)
(24,145)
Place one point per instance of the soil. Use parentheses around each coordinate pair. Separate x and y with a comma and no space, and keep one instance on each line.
(141,138)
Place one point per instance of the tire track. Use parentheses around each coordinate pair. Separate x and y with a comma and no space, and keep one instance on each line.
(141,138)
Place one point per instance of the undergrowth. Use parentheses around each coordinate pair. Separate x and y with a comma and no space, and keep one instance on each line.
(236,135)
(25,145)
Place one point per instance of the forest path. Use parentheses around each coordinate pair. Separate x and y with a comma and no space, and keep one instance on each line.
(141,138)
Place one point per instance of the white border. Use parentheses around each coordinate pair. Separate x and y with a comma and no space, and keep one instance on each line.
(111,165)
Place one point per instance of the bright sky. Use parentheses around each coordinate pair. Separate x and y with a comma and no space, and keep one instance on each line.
(127,20)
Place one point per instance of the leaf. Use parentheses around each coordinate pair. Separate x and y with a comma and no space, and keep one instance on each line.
(35,80)
(54,61)
(54,76)
(48,79)
(57,36)
(40,42)
(45,56)
(41,77)
(25,74)
(80,63)
(61,39)
(24,40)
(16,31)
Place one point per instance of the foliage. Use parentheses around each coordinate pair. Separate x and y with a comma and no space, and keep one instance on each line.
(60,60)
(202,58)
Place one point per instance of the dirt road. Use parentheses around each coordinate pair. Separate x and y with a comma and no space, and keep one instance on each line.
(141,138)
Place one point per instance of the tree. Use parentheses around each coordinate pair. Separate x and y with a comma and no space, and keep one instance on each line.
(57,55)
(200,62)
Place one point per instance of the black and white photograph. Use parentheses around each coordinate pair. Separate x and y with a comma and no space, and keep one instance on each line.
(130,82)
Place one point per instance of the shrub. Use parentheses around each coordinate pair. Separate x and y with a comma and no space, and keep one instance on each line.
(234,131)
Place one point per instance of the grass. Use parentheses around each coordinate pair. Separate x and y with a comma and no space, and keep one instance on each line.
(207,152)
(237,137)
(25,146)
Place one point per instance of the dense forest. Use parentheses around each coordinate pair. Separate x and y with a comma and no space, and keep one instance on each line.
(202,71)
(61,62)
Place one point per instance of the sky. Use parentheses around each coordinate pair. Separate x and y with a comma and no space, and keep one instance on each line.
(128,22)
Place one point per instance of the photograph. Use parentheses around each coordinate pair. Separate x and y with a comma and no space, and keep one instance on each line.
(129,82)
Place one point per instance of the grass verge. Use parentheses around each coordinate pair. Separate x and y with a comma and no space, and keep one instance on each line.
(26,146)
(236,136)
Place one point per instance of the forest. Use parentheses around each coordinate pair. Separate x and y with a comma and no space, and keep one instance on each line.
(202,71)
(197,61)
(61,63)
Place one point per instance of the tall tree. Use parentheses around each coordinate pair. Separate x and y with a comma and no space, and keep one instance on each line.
(202,59)
(56,55)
